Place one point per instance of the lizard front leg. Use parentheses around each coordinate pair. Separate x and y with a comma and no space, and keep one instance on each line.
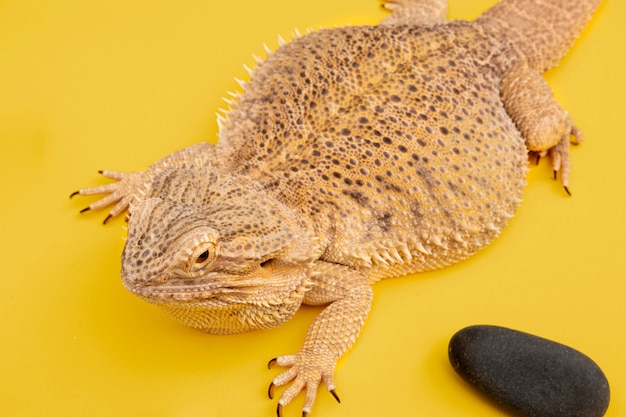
(329,337)
(130,187)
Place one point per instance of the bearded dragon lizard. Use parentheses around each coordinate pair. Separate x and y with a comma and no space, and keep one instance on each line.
(354,154)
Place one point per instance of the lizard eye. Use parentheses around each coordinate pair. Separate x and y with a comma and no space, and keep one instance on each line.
(202,255)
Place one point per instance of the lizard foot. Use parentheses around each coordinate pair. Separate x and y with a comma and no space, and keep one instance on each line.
(415,12)
(127,189)
(306,372)
(559,154)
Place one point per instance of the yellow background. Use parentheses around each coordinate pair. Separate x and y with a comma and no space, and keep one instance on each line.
(117,84)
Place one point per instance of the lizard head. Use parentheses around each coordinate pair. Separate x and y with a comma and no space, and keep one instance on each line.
(216,253)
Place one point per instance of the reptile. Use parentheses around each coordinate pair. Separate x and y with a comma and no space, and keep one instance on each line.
(352,155)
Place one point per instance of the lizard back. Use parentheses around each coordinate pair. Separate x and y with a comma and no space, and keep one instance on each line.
(392,139)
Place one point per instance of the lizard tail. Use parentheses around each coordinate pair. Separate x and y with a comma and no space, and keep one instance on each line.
(542,30)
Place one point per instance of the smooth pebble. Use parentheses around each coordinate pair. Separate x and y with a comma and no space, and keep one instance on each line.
(528,375)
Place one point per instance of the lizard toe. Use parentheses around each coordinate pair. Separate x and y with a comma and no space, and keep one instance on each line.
(306,373)
(127,188)
(560,154)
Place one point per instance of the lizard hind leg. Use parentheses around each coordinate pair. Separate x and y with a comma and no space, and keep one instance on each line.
(545,126)
(415,12)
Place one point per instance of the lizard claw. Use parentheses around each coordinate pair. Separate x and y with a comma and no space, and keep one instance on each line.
(559,154)
(334,394)
(305,374)
(128,189)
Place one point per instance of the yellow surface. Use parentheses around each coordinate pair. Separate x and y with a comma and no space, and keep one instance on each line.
(88,85)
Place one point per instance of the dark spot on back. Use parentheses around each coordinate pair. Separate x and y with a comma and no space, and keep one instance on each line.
(384,221)
(360,198)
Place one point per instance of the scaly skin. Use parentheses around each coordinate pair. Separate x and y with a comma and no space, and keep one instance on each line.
(354,154)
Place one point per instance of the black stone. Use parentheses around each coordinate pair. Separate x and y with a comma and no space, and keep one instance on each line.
(528,375)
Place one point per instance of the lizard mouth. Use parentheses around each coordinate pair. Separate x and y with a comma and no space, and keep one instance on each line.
(166,289)
(207,289)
